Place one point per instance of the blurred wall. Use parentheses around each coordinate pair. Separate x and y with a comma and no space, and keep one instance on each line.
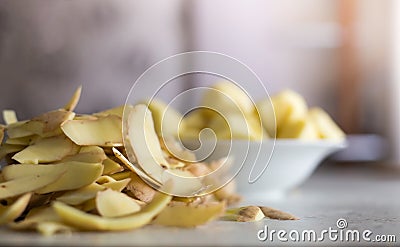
(48,48)
(288,44)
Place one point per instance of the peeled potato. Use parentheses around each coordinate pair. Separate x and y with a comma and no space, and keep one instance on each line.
(227,98)
(110,203)
(299,129)
(237,127)
(289,105)
(326,127)
(266,112)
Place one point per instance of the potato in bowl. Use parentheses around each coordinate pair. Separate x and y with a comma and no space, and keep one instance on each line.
(270,168)
(276,143)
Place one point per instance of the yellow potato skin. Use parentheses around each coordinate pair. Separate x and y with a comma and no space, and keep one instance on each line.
(302,129)
(29,183)
(89,222)
(183,215)
(326,127)
(47,150)
(75,174)
(104,131)
(10,213)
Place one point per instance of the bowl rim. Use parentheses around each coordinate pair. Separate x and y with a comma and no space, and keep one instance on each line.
(286,142)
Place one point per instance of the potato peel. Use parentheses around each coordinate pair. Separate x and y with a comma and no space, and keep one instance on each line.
(276,214)
(144,141)
(76,197)
(183,215)
(9,117)
(110,203)
(84,221)
(47,150)
(43,219)
(30,183)
(10,213)
(70,106)
(104,131)
(77,174)
(244,214)
(111,167)
(45,125)
(2,128)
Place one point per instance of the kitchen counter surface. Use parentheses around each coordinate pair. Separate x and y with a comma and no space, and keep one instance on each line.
(363,197)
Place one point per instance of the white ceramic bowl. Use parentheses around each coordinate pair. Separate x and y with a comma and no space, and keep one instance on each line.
(291,162)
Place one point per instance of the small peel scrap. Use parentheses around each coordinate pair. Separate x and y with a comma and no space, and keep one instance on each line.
(67,172)
(276,214)
(10,116)
(244,214)
(256,213)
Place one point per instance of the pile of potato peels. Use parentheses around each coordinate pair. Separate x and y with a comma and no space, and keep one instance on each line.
(66,172)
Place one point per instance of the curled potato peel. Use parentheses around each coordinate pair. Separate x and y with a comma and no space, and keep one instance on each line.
(84,221)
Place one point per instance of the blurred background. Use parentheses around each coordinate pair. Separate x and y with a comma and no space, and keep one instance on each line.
(342,55)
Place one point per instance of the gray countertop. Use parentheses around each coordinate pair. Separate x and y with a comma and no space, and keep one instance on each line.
(365,196)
